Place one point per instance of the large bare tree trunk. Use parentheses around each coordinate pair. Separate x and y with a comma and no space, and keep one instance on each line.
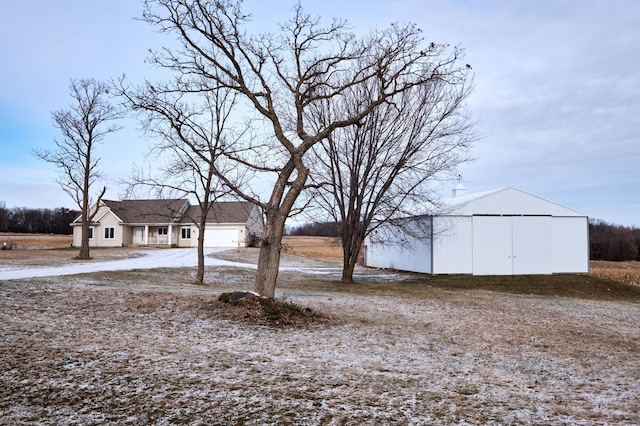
(348,264)
(283,197)
(268,266)
(84,237)
(200,270)
(352,238)
(269,259)
(86,217)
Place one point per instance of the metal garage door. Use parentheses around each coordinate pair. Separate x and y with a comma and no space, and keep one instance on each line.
(221,237)
(506,245)
(492,246)
(531,245)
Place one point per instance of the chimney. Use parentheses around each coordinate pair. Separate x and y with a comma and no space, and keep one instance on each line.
(459,190)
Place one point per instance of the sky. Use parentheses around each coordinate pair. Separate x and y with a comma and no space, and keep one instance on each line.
(557,89)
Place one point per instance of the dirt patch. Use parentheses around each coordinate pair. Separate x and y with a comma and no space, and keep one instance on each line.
(254,309)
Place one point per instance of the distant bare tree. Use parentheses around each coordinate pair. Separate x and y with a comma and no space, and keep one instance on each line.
(83,125)
(384,166)
(4,217)
(623,245)
(192,131)
(280,77)
(636,236)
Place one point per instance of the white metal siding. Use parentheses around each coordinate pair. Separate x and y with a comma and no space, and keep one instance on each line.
(381,254)
(452,247)
(390,247)
(570,238)
(492,245)
(221,237)
(531,245)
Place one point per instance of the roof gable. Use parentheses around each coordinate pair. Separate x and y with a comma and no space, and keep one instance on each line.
(107,211)
(507,201)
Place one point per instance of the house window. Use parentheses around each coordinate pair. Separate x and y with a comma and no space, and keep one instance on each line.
(163,231)
(109,233)
(91,233)
(186,233)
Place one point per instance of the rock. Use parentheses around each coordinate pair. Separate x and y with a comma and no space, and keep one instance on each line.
(244,296)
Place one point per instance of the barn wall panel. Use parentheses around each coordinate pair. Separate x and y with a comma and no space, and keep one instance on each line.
(570,245)
(452,245)
(391,248)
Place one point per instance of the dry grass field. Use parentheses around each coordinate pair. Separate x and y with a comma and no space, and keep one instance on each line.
(315,247)
(150,347)
(626,272)
(36,241)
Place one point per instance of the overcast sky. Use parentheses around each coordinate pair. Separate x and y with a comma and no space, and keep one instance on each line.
(557,89)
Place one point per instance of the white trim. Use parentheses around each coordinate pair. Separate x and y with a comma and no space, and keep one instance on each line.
(107,212)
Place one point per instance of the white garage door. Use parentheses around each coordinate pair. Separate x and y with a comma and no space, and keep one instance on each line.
(506,245)
(221,237)
(532,245)
(492,245)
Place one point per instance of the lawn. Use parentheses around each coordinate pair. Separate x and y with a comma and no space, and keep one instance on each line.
(150,347)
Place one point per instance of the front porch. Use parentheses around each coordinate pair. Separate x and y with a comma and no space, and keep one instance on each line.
(155,236)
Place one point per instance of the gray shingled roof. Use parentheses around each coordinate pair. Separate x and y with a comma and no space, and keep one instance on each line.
(148,211)
(222,212)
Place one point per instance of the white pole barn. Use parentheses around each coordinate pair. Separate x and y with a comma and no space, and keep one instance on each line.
(501,232)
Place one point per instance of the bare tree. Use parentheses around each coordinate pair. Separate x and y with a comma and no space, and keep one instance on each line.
(192,131)
(83,125)
(384,167)
(280,77)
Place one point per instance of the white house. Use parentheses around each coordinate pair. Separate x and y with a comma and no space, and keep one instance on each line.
(501,232)
(170,222)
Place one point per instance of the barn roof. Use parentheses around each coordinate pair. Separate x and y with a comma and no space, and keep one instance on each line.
(507,201)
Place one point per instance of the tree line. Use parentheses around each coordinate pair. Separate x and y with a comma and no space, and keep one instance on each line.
(315,229)
(36,221)
(613,242)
